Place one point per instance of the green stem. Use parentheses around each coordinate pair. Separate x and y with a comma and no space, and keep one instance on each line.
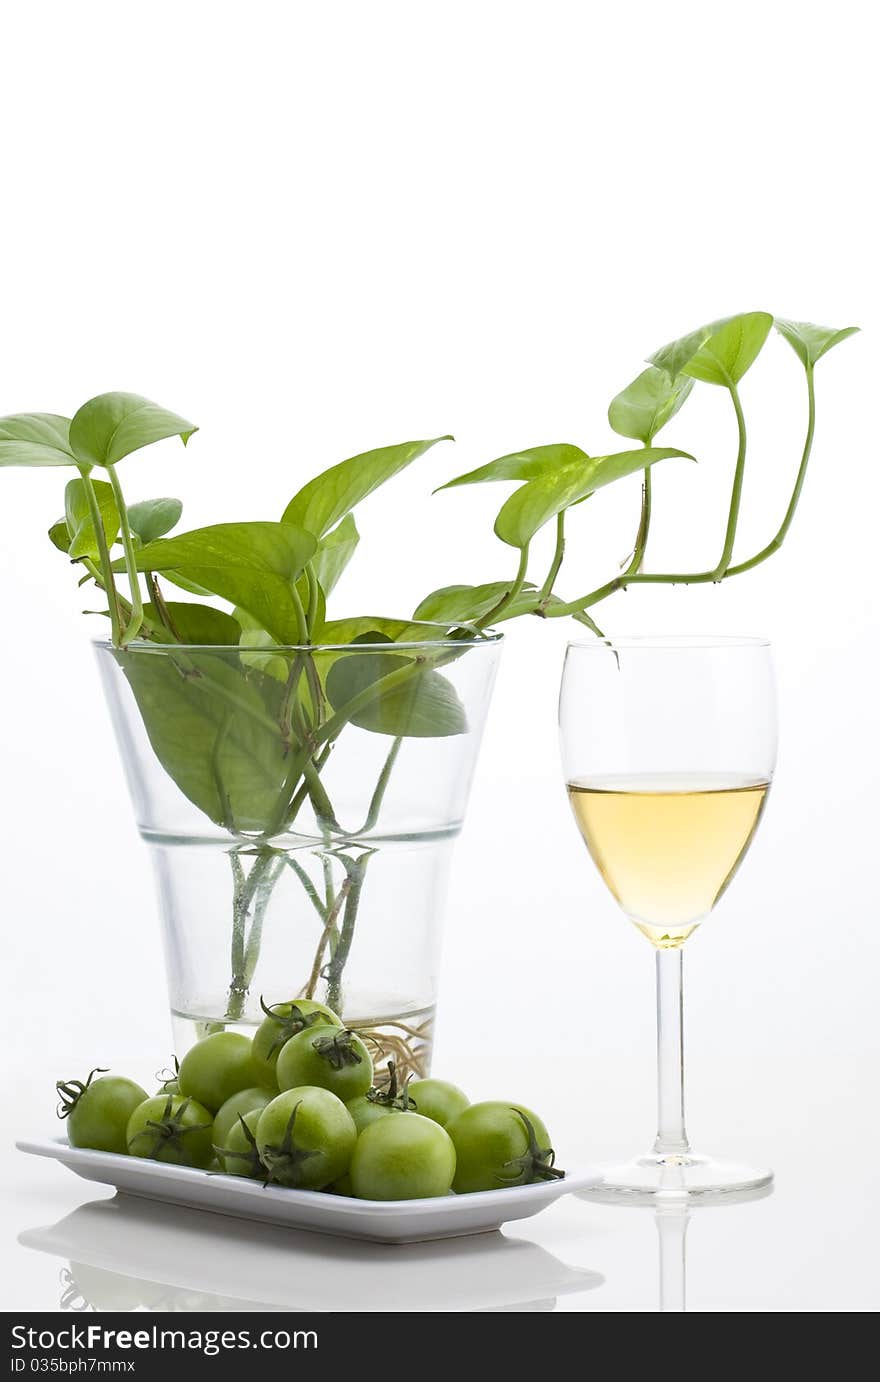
(236,949)
(104,556)
(321,803)
(329,934)
(558,555)
(161,609)
(380,789)
(302,793)
(638,555)
(776,542)
(510,595)
(356,871)
(330,898)
(308,886)
(302,622)
(137,609)
(245,949)
(262,898)
(736,492)
(705,577)
(151,630)
(312,611)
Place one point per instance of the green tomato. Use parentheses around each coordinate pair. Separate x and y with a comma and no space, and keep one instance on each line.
(242,1102)
(406,1157)
(305,1138)
(98,1111)
(438,1100)
(341,1186)
(172,1128)
(365,1110)
(217,1067)
(498,1145)
(327,1056)
(238,1154)
(283,1021)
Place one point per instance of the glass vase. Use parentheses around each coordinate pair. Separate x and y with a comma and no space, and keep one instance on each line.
(300,806)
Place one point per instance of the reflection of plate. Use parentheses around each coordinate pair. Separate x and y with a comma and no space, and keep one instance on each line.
(401,1221)
(127,1254)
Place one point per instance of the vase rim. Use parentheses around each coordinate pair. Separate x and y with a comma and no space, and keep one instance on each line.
(489,638)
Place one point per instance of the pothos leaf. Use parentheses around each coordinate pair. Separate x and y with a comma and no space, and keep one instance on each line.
(222,750)
(423,704)
(340,632)
(35,439)
(153,518)
(196,624)
(535,503)
(647,404)
(257,644)
(811,342)
(254,565)
(334,553)
(326,499)
(465,603)
(78,517)
(59,536)
(521,465)
(111,426)
(719,353)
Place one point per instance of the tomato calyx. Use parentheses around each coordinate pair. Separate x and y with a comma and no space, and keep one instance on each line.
(168,1078)
(290,1023)
(251,1158)
(393,1096)
(338,1049)
(282,1161)
(536,1162)
(71,1091)
(169,1130)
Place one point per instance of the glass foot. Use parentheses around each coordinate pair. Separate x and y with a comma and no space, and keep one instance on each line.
(664,1178)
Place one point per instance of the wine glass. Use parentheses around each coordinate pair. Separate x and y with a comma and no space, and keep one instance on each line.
(668,749)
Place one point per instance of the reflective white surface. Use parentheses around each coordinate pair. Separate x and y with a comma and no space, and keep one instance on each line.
(795,1249)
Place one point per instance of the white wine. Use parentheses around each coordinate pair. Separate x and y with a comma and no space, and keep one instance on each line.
(667,847)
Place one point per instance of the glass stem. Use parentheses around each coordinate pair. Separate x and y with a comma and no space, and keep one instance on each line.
(671,1137)
(672,1226)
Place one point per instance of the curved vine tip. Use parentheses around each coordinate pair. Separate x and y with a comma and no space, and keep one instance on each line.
(71,1091)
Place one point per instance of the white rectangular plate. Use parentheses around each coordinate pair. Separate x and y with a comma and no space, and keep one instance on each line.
(398,1221)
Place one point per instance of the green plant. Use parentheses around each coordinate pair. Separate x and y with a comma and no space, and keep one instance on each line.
(559,477)
(247,743)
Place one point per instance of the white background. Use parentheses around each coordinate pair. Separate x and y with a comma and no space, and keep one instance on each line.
(320,228)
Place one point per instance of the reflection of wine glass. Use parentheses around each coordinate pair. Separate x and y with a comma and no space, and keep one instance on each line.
(668,749)
(671,1220)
